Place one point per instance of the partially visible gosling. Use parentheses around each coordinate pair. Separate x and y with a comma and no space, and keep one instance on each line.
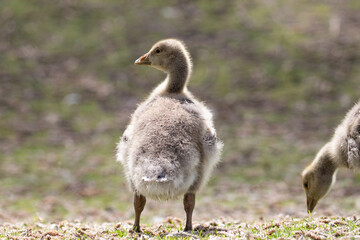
(343,151)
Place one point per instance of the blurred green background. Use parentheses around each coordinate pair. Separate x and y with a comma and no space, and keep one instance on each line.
(278,75)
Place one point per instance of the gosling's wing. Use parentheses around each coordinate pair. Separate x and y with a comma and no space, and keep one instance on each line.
(123,145)
(211,144)
(353,142)
(353,139)
(209,138)
(353,153)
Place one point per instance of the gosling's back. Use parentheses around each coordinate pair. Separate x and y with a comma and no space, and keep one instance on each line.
(165,148)
(346,140)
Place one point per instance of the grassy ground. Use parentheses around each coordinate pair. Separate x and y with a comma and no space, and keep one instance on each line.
(279,76)
(284,228)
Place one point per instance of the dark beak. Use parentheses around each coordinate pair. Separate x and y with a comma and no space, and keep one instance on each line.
(311,203)
(143,60)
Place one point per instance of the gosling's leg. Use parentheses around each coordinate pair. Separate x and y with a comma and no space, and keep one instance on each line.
(139,204)
(189,204)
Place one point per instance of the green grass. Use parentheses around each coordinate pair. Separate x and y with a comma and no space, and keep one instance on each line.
(326,227)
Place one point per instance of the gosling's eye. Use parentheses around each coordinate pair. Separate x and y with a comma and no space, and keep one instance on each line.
(158,50)
(306,185)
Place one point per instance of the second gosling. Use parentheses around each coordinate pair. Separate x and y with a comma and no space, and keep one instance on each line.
(343,151)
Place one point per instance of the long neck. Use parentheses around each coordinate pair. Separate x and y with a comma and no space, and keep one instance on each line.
(339,152)
(326,161)
(178,77)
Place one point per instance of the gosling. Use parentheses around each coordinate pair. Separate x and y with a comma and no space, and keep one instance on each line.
(343,151)
(170,146)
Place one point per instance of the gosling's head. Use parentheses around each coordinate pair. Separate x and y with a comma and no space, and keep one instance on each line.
(317,179)
(167,55)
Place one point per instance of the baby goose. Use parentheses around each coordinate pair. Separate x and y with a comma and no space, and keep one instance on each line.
(342,151)
(170,146)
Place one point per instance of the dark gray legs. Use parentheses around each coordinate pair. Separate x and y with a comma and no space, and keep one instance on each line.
(139,204)
(189,204)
